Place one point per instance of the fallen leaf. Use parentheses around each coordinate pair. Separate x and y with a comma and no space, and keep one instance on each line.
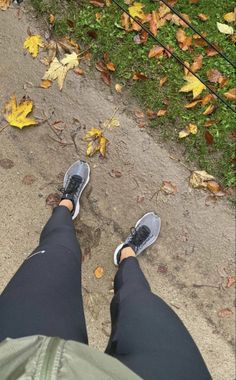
(209,123)
(33,43)
(45,83)
(139,76)
(193,85)
(136,10)
(153,23)
(156,51)
(168,187)
(184,133)
(97,3)
(214,75)
(213,186)
(93,133)
(52,19)
(53,200)
(184,40)
(230,17)
(231,280)
(163,269)
(161,113)
(222,81)
(106,78)
(163,81)
(16,114)
(203,17)
(211,52)
(101,66)
(102,145)
(6,163)
(197,64)
(190,129)
(79,71)
(29,179)
(99,272)
(118,88)
(199,178)
(111,66)
(207,98)
(224,28)
(224,312)
(231,94)
(192,104)
(209,110)
(115,173)
(4,4)
(111,123)
(58,69)
(209,138)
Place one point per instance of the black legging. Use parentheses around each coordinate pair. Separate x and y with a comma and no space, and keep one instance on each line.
(44,298)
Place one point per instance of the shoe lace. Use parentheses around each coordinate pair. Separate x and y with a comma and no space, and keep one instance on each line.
(73,185)
(139,235)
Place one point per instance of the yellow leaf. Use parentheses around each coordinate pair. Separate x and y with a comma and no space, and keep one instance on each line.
(16,115)
(118,88)
(199,179)
(32,43)
(45,83)
(224,28)
(136,11)
(94,133)
(103,143)
(193,85)
(4,4)
(56,71)
(184,133)
(111,123)
(99,272)
(230,17)
(92,147)
(70,61)
(192,128)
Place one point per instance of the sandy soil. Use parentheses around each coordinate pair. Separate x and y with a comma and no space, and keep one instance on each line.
(187,267)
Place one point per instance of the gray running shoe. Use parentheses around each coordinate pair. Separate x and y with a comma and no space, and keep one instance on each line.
(75,180)
(144,234)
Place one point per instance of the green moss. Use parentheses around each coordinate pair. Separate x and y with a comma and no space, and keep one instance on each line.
(130,58)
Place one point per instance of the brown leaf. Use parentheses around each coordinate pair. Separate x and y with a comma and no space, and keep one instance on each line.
(53,200)
(45,83)
(186,71)
(79,71)
(161,113)
(199,41)
(139,76)
(111,66)
(197,64)
(211,52)
(139,114)
(222,81)
(207,98)
(101,66)
(213,186)
(209,123)
(99,272)
(156,51)
(168,187)
(163,81)
(224,312)
(153,23)
(5,163)
(231,280)
(97,3)
(214,75)
(184,40)
(192,104)
(209,110)
(209,138)
(118,88)
(163,269)
(231,94)
(29,179)
(203,17)
(199,178)
(151,114)
(106,78)
(115,173)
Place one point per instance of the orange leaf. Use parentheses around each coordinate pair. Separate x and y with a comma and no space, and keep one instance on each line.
(45,83)
(231,280)
(155,51)
(206,99)
(161,112)
(209,123)
(99,272)
(163,81)
(192,104)
(213,186)
(209,110)
(168,187)
(153,23)
(111,66)
(79,71)
(224,312)
(231,94)
(139,76)
(197,64)
(203,17)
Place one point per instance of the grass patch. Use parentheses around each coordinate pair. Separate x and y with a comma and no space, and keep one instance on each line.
(218,158)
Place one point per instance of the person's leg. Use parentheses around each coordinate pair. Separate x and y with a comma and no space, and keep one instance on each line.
(44,296)
(147,336)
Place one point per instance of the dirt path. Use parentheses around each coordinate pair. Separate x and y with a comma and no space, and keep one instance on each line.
(195,251)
